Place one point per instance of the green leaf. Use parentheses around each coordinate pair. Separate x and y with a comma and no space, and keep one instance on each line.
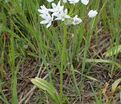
(115,85)
(113,51)
(44,85)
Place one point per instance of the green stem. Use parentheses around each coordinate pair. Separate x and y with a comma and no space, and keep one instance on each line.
(13,67)
(63,60)
(14,73)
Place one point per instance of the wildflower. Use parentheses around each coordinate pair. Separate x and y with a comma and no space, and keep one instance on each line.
(58,12)
(65,1)
(56,8)
(43,10)
(92,13)
(47,19)
(62,15)
(45,14)
(85,2)
(50,1)
(73,1)
(76,20)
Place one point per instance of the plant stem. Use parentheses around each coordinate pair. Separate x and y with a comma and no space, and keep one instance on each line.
(14,73)
(63,60)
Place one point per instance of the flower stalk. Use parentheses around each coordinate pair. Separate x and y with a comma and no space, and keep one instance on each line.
(63,60)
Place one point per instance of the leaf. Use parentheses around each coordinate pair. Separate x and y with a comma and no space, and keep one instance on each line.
(115,85)
(104,61)
(113,51)
(44,85)
(89,77)
(92,78)
(2,71)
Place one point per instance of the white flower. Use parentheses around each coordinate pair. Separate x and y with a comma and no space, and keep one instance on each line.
(43,10)
(85,2)
(76,20)
(92,13)
(56,8)
(62,15)
(50,1)
(47,19)
(65,1)
(73,1)
(58,12)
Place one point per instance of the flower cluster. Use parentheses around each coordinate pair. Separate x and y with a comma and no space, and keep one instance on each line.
(85,2)
(59,13)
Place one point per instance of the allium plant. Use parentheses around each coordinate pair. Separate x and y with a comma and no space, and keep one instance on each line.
(59,13)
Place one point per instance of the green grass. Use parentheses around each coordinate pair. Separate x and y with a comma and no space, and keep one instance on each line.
(60,48)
